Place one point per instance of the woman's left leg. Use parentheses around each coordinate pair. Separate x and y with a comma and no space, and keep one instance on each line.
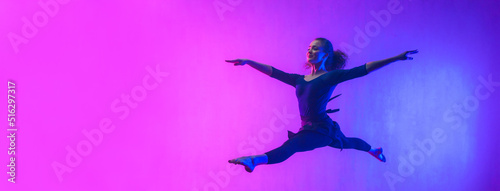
(358,144)
(351,143)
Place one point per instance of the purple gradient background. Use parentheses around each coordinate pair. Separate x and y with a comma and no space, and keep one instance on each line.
(206,111)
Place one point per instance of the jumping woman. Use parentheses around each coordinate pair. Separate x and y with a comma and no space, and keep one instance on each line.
(313,92)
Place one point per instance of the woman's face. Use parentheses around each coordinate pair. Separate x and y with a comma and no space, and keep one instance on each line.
(315,52)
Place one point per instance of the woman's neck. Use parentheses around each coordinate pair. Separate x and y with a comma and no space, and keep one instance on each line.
(317,69)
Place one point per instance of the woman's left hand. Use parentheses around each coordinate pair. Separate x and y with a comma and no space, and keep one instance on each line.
(404,55)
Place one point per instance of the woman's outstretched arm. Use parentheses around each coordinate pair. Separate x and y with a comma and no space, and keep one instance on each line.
(290,79)
(266,69)
(372,66)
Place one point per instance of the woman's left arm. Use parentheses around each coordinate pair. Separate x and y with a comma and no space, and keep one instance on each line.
(372,66)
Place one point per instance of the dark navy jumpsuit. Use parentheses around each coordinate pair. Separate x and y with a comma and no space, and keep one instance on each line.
(317,129)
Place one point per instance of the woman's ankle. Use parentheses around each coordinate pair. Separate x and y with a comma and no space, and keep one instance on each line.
(260,159)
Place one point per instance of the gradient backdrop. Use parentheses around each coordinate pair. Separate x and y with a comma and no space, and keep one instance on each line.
(135,95)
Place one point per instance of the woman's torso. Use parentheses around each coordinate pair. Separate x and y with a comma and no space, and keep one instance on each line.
(313,97)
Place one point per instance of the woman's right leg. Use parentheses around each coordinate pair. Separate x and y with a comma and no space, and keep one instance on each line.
(302,141)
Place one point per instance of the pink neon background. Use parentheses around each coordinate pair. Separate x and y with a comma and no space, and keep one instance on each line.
(91,52)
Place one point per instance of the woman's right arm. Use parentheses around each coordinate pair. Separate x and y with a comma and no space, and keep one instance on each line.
(287,78)
(264,68)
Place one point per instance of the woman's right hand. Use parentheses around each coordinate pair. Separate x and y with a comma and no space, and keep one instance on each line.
(239,62)
(266,69)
